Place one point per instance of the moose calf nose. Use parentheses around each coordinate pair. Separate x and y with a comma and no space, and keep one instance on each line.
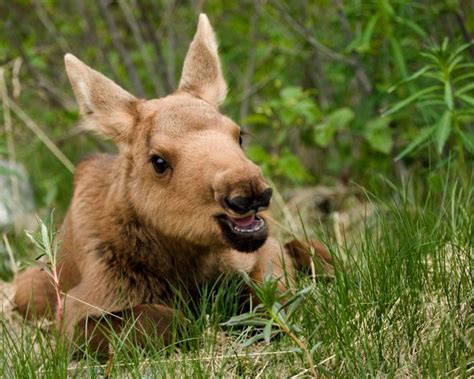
(242,204)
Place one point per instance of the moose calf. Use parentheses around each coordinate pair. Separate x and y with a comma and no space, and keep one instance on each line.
(179,203)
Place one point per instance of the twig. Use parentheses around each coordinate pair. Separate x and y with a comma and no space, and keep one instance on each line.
(149,362)
(298,341)
(127,12)
(91,305)
(51,91)
(33,126)
(76,131)
(170,28)
(115,35)
(306,34)
(337,229)
(49,25)
(151,36)
(93,38)
(256,87)
(280,225)
(9,137)
(262,370)
(460,18)
(319,364)
(250,69)
(361,75)
(15,77)
(284,208)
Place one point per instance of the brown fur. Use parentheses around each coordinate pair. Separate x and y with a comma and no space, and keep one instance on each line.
(302,255)
(131,234)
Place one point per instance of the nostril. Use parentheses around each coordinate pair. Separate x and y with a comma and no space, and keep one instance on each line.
(263,199)
(241,204)
(238,204)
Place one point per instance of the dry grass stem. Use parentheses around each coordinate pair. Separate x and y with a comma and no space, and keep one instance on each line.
(33,126)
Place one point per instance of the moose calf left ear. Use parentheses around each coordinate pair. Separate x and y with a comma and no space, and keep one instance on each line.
(105,107)
(202,74)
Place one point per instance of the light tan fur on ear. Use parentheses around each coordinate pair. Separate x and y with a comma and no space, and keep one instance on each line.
(105,107)
(202,74)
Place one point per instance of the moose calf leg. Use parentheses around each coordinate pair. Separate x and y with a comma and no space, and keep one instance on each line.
(35,296)
(140,324)
(273,259)
(282,263)
(307,254)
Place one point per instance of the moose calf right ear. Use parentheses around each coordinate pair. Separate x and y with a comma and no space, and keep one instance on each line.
(202,74)
(105,107)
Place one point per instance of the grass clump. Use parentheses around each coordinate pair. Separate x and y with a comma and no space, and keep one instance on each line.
(400,303)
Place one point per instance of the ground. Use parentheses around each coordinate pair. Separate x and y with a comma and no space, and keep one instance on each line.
(398,303)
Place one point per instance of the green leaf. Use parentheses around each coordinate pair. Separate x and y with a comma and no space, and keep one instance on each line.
(467,99)
(430,102)
(460,49)
(445,43)
(435,75)
(412,25)
(412,77)
(378,134)
(467,140)
(411,99)
(291,304)
(341,118)
(465,65)
(443,129)
(466,88)
(323,134)
(256,119)
(463,77)
(258,154)
(364,44)
(398,57)
(267,331)
(246,319)
(253,339)
(290,166)
(291,93)
(448,95)
(423,135)
(453,64)
(46,239)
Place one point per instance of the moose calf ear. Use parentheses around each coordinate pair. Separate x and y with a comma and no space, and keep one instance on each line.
(105,107)
(202,75)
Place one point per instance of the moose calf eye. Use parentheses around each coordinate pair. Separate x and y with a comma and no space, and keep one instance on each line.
(240,139)
(159,164)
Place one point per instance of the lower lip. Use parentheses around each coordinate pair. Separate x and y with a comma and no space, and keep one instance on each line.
(248,237)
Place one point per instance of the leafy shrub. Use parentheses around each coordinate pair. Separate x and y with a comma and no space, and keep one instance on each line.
(444,100)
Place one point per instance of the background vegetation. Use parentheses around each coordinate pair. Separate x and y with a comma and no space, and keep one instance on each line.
(378,93)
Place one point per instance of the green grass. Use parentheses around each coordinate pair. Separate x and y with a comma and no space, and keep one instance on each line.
(400,304)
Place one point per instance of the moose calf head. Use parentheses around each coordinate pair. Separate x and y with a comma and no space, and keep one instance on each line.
(181,166)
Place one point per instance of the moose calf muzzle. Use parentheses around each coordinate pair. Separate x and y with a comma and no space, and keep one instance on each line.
(242,205)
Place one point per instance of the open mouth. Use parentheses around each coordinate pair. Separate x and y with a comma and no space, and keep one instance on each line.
(248,224)
(244,233)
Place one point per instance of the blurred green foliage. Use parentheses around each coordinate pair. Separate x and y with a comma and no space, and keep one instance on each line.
(308,79)
(446,99)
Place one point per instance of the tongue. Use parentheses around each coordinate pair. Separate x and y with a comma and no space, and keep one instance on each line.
(244,221)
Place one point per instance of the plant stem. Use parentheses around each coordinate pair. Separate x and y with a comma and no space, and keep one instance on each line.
(301,344)
(461,159)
